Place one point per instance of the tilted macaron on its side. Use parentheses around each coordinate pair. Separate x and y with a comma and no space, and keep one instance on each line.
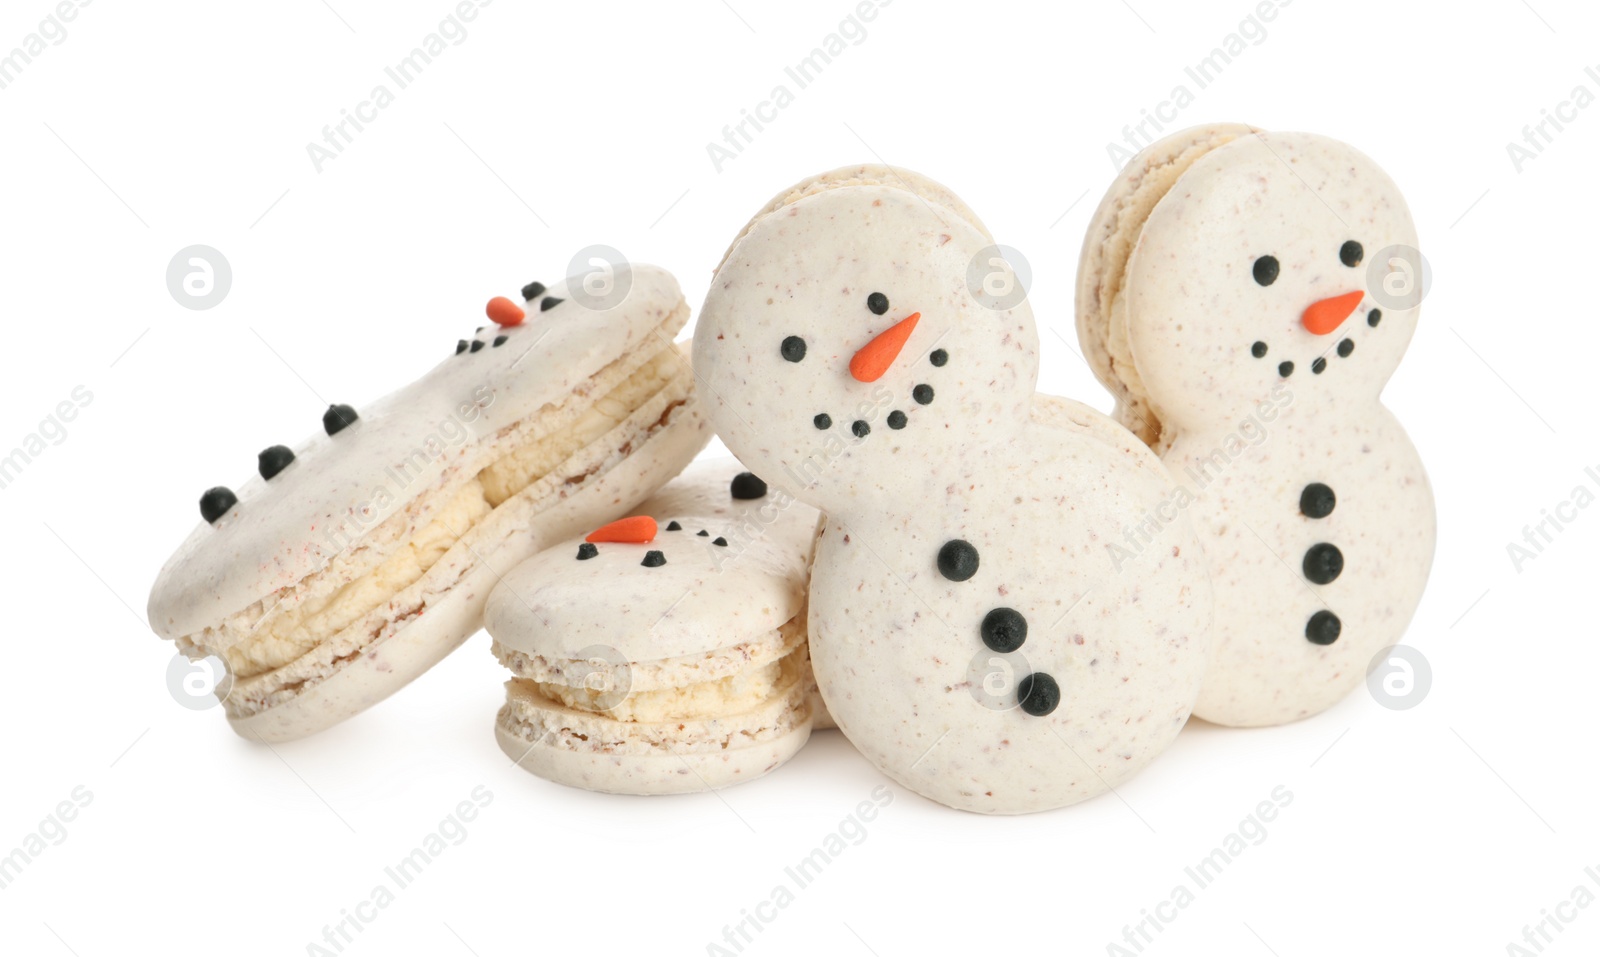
(665,654)
(363,555)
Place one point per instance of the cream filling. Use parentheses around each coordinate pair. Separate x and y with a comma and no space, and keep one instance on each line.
(735,694)
(292,634)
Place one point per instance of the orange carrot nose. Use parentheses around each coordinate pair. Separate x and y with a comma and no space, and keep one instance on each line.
(1324,315)
(636,529)
(874,359)
(504,312)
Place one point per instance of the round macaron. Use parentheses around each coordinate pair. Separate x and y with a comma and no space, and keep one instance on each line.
(664,653)
(356,559)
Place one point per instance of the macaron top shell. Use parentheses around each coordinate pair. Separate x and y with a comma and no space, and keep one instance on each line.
(426,435)
(702,597)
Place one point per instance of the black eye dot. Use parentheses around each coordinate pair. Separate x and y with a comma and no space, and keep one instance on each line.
(822,420)
(1374,317)
(1350,253)
(1266,270)
(1259,349)
(938,357)
(1286,369)
(793,348)
(878,303)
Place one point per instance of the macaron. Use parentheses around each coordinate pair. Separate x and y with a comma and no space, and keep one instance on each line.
(665,653)
(356,559)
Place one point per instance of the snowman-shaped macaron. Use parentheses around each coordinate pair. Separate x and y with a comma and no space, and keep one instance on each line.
(1247,295)
(972,632)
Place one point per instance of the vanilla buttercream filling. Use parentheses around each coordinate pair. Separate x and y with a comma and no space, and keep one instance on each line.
(730,695)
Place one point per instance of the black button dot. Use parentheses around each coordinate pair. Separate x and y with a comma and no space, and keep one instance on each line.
(860,428)
(958,560)
(1317,501)
(822,420)
(897,419)
(532,291)
(1323,563)
(461,346)
(476,345)
(1004,630)
(923,394)
(1318,364)
(653,559)
(549,302)
(746,486)
(215,503)
(1374,317)
(1038,694)
(719,540)
(1286,369)
(1259,349)
(587,551)
(673,526)
(878,303)
(1323,628)
(1350,253)
(938,357)
(793,348)
(337,417)
(1265,270)
(1346,347)
(273,460)
(500,341)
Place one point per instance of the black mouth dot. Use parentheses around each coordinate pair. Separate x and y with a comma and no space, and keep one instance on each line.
(1374,317)
(860,428)
(337,418)
(461,346)
(719,540)
(938,357)
(823,420)
(703,533)
(897,419)
(653,559)
(499,341)
(1286,369)
(1346,347)
(923,394)
(549,302)
(1318,364)
(587,551)
(274,459)
(1259,349)
(476,345)
(958,560)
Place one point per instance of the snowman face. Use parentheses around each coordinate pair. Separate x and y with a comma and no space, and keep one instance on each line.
(1270,265)
(840,346)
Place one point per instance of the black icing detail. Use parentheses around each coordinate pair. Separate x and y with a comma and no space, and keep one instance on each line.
(923,394)
(719,540)
(587,551)
(1286,369)
(1318,364)
(461,346)
(337,418)
(1323,628)
(1004,630)
(746,486)
(1265,270)
(938,357)
(549,302)
(1317,501)
(273,459)
(1259,349)
(1350,253)
(476,345)
(822,420)
(653,559)
(1374,317)
(532,291)
(1038,694)
(878,303)
(1346,347)
(703,533)
(215,503)
(1323,563)
(860,428)
(897,419)
(793,348)
(673,526)
(500,341)
(958,560)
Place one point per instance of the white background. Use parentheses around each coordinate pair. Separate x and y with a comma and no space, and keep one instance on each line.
(1440,830)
